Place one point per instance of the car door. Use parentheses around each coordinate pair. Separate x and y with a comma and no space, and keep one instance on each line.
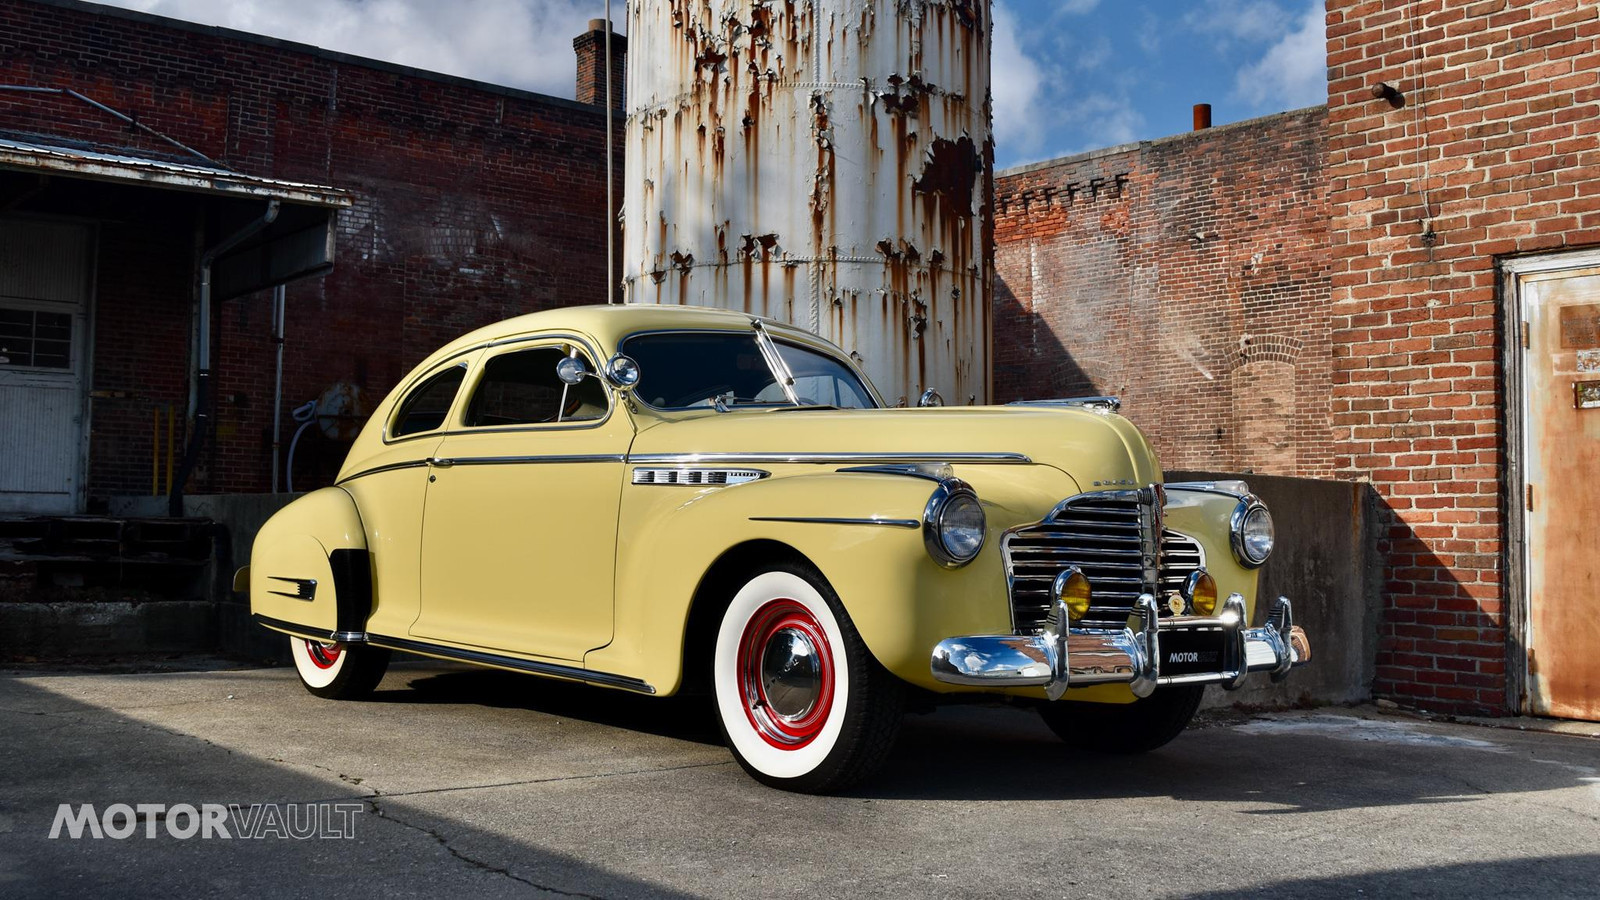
(519,530)
(390,485)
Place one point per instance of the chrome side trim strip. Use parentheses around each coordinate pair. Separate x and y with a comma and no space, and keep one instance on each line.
(675,459)
(391,467)
(937,474)
(304,588)
(697,477)
(831,520)
(347,637)
(479,657)
(445,462)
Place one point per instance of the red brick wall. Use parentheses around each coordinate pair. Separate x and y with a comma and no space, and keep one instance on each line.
(1187,276)
(1493,153)
(473,203)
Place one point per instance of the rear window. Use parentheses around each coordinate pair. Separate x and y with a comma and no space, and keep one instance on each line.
(428,403)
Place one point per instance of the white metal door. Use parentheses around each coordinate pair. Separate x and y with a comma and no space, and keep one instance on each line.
(45,276)
(1560,378)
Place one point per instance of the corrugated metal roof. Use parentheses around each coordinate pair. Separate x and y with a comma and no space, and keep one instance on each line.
(103,166)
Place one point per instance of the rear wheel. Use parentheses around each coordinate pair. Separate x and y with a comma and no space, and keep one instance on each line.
(338,671)
(1127,728)
(801,701)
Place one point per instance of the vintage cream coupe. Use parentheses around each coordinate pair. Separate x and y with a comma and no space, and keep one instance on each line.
(662,500)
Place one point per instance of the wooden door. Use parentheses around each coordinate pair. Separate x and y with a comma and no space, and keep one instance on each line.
(1561,497)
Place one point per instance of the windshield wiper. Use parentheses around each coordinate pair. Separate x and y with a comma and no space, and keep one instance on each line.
(780,369)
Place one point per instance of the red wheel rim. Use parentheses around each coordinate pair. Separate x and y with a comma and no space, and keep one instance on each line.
(774,630)
(323,656)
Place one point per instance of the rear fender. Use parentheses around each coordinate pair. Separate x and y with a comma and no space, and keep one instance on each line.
(310,574)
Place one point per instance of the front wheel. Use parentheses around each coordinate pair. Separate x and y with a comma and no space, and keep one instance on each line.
(1126,728)
(801,701)
(338,671)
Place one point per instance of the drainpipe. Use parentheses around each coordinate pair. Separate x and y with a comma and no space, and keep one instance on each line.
(278,305)
(202,407)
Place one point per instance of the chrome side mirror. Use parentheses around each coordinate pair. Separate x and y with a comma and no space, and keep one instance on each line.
(930,397)
(572,370)
(622,372)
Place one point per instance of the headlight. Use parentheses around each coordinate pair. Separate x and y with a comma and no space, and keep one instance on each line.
(1252,533)
(953,524)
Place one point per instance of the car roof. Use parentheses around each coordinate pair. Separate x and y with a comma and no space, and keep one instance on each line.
(610,324)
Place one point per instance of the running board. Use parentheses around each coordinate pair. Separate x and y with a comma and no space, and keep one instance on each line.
(476,657)
(479,657)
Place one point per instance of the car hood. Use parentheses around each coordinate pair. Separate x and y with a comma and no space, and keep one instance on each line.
(1087,445)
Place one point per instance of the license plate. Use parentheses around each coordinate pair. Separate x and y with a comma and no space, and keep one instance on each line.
(1192,651)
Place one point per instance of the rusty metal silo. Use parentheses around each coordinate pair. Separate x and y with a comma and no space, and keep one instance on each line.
(824,162)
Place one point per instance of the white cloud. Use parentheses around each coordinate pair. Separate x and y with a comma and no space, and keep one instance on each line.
(1294,72)
(1076,7)
(519,43)
(1017,82)
(1247,21)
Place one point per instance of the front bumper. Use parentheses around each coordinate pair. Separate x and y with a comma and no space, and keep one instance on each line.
(1201,650)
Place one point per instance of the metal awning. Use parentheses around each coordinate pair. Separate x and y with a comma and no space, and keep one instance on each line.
(77,162)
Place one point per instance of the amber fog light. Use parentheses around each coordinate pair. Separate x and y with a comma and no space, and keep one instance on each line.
(1073,588)
(1200,589)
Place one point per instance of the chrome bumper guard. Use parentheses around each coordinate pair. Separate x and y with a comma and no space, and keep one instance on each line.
(1061,656)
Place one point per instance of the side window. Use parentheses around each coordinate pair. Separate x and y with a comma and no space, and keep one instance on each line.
(429,402)
(521,388)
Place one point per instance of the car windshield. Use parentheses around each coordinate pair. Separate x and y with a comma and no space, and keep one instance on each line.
(683,369)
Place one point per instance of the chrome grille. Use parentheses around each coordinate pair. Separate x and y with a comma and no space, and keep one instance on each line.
(1110,536)
(1180,555)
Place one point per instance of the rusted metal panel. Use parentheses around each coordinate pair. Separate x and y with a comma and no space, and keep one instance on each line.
(824,162)
(1563,458)
(30,157)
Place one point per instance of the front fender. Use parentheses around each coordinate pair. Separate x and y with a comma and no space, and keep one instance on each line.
(901,601)
(1204,515)
(310,574)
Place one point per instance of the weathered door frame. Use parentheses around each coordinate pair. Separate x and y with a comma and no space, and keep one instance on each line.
(1515,485)
(86,322)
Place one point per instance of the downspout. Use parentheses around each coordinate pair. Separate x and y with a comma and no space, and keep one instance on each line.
(202,407)
(278,304)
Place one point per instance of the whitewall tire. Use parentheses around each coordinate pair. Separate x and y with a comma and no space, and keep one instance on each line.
(801,701)
(338,671)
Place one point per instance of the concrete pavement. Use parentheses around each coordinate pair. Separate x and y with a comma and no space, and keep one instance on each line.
(490,784)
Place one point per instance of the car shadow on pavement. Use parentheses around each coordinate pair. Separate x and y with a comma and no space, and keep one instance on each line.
(681,718)
(1281,765)
(58,750)
(993,752)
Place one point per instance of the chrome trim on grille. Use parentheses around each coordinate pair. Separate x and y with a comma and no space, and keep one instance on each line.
(697,477)
(1109,535)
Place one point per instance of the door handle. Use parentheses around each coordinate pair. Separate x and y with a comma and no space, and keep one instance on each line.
(438,463)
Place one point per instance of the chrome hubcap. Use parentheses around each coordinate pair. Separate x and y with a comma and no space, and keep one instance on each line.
(791,673)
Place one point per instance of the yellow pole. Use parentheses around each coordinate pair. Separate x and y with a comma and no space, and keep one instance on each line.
(169,448)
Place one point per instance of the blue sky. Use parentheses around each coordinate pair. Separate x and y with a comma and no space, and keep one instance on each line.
(1068,75)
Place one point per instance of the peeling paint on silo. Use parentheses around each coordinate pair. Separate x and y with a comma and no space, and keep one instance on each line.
(825,162)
